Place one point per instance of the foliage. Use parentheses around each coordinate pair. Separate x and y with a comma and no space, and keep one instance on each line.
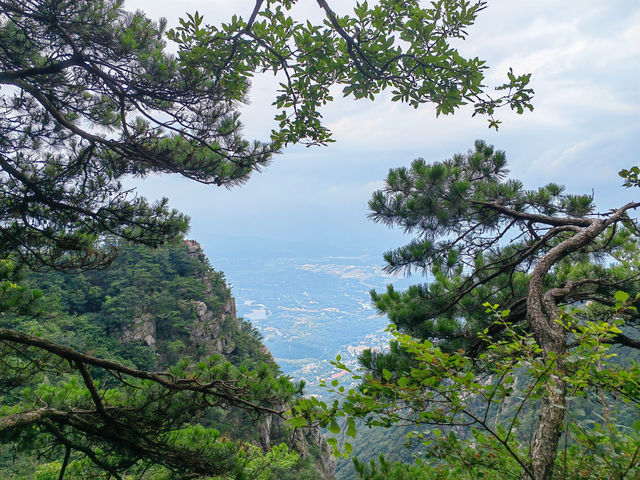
(162,285)
(254,464)
(631,176)
(384,470)
(389,44)
(14,296)
(444,392)
(395,443)
(488,242)
(194,417)
(93,95)
(479,236)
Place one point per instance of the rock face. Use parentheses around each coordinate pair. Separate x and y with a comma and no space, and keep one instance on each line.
(303,441)
(213,331)
(207,329)
(210,331)
(325,461)
(143,328)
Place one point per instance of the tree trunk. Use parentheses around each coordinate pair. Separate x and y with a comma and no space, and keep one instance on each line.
(551,338)
(544,446)
(550,335)
(542,316)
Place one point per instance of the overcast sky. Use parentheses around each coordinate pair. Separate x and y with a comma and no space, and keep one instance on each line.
(585,59)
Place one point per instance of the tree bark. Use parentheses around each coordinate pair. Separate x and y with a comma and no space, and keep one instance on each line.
(551,338)
(542,316)
(20,419)
(544,446)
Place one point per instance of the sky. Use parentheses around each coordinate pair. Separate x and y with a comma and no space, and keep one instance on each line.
(584,56)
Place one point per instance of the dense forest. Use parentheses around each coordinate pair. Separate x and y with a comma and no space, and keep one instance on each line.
(177,310)
(121,356)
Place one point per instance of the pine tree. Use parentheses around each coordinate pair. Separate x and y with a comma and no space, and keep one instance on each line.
(485,241)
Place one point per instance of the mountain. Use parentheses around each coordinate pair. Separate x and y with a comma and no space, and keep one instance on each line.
(152,309)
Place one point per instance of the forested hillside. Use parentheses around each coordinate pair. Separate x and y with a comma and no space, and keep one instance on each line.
(152,309)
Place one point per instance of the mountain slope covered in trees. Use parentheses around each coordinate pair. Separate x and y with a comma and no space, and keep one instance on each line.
(156,310)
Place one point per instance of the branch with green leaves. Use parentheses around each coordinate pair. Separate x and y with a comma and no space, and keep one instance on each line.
(493,399)
(129,415)
(92,95)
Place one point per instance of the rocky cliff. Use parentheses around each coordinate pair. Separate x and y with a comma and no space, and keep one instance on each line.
(211,328)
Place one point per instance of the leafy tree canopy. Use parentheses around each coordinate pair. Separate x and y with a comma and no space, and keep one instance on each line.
(480,236)
(91,94)
(486,242)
